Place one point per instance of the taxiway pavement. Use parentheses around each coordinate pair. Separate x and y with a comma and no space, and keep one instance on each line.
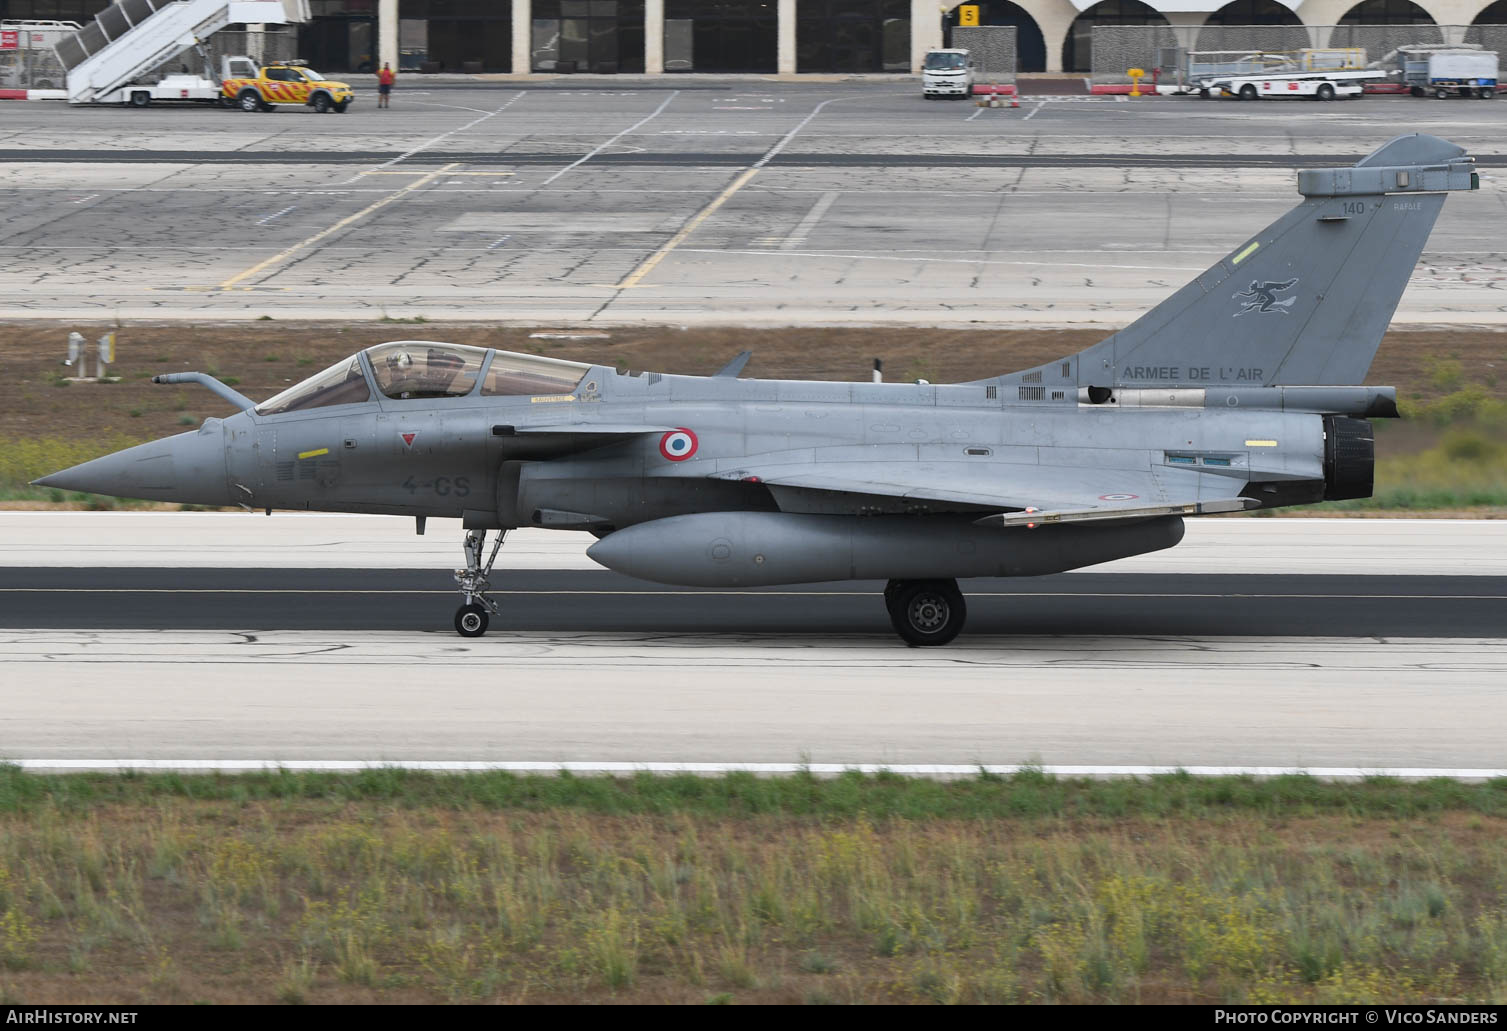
(745,203)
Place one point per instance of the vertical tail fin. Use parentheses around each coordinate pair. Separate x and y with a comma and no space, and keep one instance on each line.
(1304,301)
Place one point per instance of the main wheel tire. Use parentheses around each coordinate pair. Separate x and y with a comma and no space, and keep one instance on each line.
(471,620)
(1204,94)
(322,103)
(1325,91)
(926,613)
(1441,93)
(1247,92)
(1487,93)
(340,107)
(140,99)
(249,100)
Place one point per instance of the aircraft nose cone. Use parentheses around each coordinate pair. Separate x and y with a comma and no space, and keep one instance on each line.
(188,468)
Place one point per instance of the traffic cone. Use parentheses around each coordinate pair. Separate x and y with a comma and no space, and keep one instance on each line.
(1014,100)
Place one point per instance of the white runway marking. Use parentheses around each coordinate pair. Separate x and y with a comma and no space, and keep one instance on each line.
(975,114)
(285,254)
(1035,112)
(785,141)
(636,277)
(420,148)
(597,150)
(714,769)
(278,214)
(799,233)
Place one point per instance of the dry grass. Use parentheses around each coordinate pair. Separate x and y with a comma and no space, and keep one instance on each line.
(265,357)
(1445,378)
(173,899)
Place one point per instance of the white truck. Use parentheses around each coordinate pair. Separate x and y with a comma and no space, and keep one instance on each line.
(1451,73)
(948,73)
(182,86)
(1317,85)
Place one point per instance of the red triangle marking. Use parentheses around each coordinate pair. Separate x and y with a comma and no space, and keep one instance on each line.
(408,439)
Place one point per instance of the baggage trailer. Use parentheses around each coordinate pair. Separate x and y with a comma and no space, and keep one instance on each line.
(1450,73)
(1317,85)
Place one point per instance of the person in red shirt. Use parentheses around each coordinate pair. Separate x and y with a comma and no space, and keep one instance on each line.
(385,79)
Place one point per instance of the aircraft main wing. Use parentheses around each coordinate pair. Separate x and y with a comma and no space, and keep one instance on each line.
(1033,494)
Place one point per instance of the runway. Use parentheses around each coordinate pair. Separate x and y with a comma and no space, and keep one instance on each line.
(1229,577)
(1266,644)
(760,204)
(580,601)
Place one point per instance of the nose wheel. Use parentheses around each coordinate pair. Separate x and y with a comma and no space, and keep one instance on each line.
(471,619)
(925,612)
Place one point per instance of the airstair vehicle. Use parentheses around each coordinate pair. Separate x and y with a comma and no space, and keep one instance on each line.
(133,37)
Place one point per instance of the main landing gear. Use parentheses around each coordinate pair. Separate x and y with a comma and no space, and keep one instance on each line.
(925,612)
(471,619)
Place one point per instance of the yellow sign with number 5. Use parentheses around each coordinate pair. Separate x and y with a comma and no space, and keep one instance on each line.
(968,15)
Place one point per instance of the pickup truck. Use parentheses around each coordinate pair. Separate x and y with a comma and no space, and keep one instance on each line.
(289,83)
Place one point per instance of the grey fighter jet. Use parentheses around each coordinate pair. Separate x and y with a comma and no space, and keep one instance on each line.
(1225,397)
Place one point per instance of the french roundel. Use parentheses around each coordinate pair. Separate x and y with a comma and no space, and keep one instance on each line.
(678,445)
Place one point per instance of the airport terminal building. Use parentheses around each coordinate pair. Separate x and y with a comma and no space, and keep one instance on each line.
(786,37)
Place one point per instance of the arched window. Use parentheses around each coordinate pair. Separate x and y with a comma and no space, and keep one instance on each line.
(1370,24)
(1254,12)
(1030,47)
(1386,12)
(1078,51)
(1277,28)
(1489,30)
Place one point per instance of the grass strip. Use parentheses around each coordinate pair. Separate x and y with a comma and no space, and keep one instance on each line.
(1029,794)
(419,888)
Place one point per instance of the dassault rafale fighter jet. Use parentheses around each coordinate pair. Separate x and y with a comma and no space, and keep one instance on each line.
(1240,391)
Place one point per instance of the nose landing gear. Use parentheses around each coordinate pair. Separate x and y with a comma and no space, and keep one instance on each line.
(925,612)
(471,619)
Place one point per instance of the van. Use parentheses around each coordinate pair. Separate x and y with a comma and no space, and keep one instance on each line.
(948,73)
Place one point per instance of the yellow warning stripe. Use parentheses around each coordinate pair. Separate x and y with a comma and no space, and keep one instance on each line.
(314,454)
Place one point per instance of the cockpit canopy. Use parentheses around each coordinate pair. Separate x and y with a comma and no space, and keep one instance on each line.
(409,370)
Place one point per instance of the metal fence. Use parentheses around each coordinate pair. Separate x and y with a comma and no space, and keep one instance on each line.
(31,64)
(1165,48)
(993,49)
